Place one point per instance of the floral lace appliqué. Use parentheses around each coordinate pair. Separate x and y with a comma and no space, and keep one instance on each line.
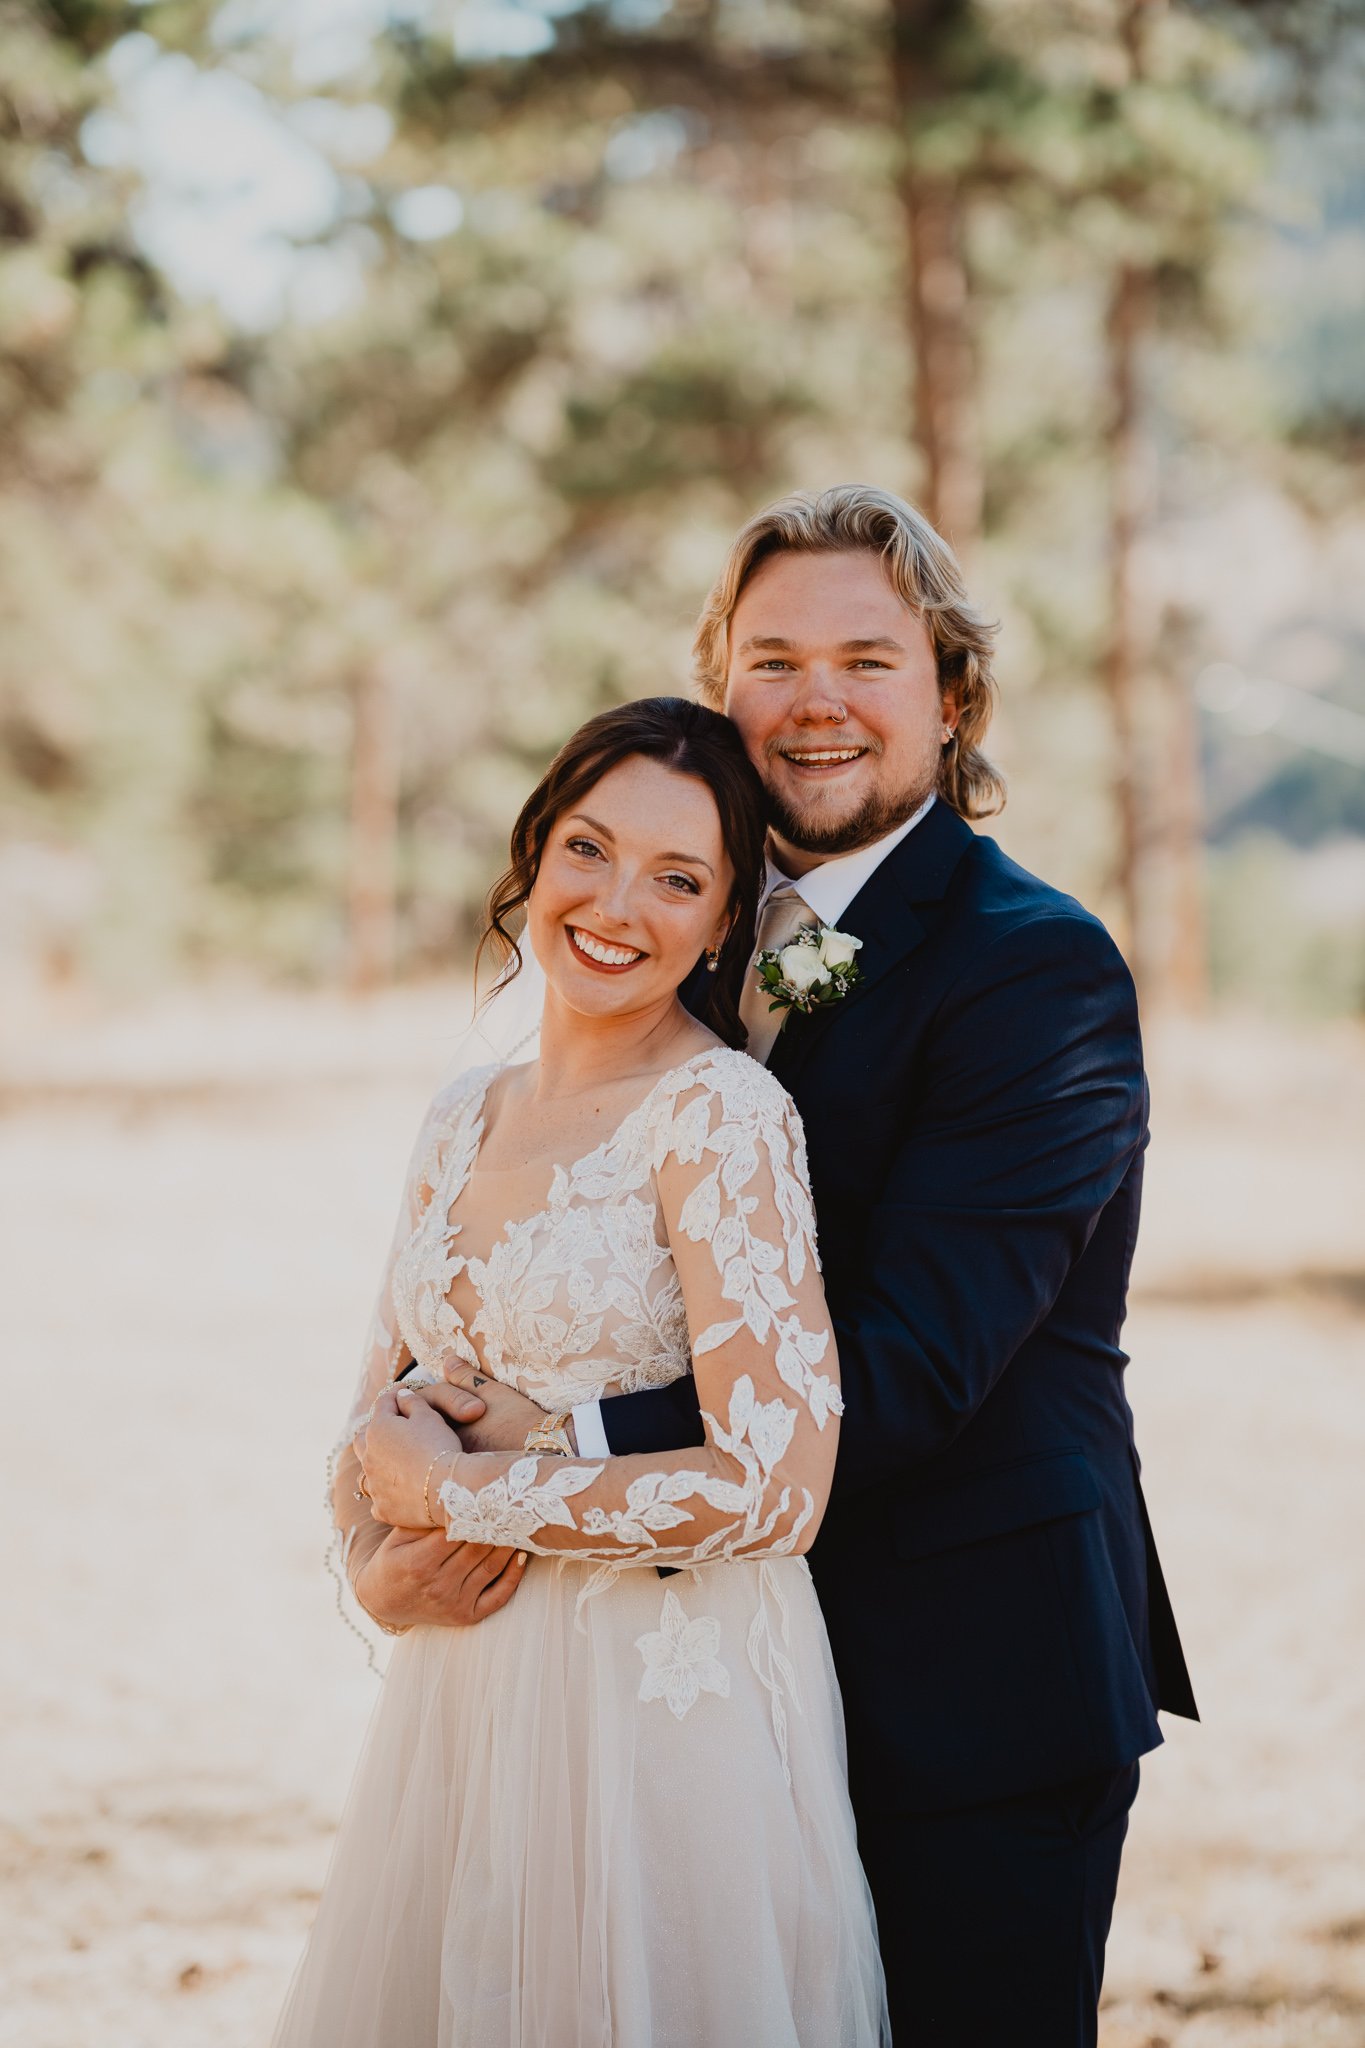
(682,1659)
(575,1301)
(600,1289)
(694,1216)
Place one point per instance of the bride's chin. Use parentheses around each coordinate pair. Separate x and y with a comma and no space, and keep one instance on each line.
(591,995)
(602,1000)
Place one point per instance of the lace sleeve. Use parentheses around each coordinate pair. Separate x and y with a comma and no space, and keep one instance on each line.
(356,1534)
(730,1174)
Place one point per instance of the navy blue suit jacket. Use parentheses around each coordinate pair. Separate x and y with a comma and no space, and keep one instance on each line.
(976,1115)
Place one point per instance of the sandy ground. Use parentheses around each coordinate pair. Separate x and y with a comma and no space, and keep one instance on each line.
(193,1206)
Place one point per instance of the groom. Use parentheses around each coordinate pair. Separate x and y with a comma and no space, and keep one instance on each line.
(976,1114)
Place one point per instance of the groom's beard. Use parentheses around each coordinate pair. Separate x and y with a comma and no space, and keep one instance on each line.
(879,813)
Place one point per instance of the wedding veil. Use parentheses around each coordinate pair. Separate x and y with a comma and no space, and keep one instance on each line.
(503,1030)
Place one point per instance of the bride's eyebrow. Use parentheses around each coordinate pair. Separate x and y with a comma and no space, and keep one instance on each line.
(594,824)
(689,860)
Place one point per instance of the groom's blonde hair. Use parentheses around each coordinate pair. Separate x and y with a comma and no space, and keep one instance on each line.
(922,569)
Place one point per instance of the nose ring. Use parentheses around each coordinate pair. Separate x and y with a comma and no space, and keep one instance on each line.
(841,716)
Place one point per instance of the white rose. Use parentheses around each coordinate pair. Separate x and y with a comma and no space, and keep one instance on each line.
(801,967)
(837,948)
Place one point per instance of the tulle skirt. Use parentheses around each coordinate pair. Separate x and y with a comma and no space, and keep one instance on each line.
(613,1819)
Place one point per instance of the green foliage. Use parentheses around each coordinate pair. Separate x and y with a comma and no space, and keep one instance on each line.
(507,472)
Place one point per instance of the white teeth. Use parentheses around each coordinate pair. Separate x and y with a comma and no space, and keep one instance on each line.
(610,956)
(829,754)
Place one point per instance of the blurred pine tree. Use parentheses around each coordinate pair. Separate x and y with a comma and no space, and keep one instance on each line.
(290,613)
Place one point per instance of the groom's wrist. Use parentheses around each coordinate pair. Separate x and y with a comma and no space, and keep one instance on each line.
(390,1628)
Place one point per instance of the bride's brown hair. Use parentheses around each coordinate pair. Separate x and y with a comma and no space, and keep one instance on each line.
(692,740)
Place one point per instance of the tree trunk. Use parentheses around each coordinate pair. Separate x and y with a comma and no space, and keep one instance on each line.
(945,359)
(1187,962)
(1179,974)
(938,285)
(373,864)
(1127,306)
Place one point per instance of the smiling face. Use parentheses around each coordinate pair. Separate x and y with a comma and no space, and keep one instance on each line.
(834,686)
(633,886)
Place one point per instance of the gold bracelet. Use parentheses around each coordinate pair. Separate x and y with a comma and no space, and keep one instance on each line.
(432,1520)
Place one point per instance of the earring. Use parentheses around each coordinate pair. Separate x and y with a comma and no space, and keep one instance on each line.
(712,959)
(949,735)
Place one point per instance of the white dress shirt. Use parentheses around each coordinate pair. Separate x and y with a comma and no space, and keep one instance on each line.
(827,891)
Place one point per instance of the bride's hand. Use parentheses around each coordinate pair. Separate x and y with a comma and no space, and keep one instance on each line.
(396,1447)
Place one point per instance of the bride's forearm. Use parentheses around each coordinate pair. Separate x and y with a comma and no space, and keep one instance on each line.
(687,1506)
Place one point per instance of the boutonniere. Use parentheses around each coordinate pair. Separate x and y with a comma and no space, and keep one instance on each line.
(815,968)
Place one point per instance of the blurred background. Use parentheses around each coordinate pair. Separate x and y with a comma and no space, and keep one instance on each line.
(380,383)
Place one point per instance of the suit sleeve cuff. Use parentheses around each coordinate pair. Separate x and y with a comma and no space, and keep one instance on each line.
(589,1433)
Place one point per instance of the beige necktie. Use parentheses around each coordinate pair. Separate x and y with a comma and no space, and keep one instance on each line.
(783,916)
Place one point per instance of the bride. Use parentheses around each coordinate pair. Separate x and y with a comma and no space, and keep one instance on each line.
(615,1812)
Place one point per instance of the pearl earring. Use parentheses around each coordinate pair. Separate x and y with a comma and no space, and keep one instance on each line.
(712,959)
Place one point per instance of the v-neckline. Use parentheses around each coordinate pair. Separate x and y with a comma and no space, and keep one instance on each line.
(569,1169)
(468,1158)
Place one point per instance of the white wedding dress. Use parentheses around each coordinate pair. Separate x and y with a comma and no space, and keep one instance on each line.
(615,1812)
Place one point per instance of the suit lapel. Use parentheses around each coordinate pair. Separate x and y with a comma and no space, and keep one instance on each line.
(889,915)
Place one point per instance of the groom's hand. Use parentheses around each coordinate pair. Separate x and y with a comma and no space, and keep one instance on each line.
(417,1579)
(488,1415)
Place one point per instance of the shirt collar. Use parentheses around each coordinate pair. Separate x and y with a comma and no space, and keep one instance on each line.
(828,889)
